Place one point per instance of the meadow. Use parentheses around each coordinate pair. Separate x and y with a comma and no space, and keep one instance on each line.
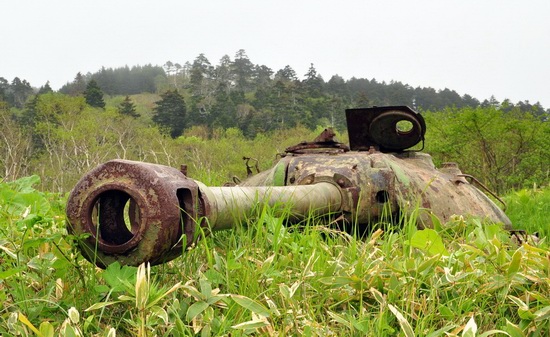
(461,278)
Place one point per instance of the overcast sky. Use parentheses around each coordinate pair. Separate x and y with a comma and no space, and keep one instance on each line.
(479,47)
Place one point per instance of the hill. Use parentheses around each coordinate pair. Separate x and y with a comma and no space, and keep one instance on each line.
(277,97)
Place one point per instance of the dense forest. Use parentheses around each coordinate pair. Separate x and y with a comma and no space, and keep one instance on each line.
(201,113)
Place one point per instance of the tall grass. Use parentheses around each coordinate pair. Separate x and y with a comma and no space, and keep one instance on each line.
(529,209)
(263,278)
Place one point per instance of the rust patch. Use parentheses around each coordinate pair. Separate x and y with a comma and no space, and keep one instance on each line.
(131,211)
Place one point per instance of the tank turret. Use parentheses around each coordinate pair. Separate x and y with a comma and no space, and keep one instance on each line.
(135,212)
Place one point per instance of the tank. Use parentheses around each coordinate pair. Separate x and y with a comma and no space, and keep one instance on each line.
(134,212)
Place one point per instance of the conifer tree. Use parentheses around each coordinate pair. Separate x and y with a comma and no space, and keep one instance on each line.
(170,112)
(313,82)
(94,95)
(45,89)
(20,91)
(76,87)
(127,107)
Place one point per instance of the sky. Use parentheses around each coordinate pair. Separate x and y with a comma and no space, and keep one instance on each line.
(475,47)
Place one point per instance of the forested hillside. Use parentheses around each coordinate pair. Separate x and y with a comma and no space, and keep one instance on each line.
(235,92)
(225,110)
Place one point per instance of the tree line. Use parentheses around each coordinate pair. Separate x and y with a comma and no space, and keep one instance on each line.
(225,111)
(255,98)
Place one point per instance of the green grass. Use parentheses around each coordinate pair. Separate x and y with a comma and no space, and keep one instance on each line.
(529,209)
(462,278)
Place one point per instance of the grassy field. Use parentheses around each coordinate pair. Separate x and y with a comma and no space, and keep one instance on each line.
(462,278)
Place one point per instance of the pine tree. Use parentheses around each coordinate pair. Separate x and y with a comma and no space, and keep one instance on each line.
(45,89)
(94,95)
(200,72)
(127,107)
(170,112)
(313,82)
(21,90)
(224,110)
(242,70)
(286,74)
(76,87)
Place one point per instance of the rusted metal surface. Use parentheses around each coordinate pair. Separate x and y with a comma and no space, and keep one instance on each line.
(327,136)
(133,212)
(249,172)
(375,182)
(378,127)
(324,143)
(485,188)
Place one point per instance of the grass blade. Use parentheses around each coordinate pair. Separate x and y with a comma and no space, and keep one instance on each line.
(405,326)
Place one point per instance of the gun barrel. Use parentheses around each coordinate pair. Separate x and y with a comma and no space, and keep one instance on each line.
(233,204)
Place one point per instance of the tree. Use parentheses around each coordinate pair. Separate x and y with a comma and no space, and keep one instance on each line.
(21,90)
(127,107)
(4,88)
(94,95)
(173,70)
(362,100)
(15,147)
(76,87)
(223,112)
(201,71)
(502,149)
(222,72)
(169,67)
(45,89)
(313,82)
(242,70)
(286,74)
(201,90)
(283,103)
(29,114)
(470,101)
(170,112)
(337,85)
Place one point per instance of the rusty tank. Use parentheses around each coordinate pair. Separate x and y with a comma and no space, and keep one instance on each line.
(135,212)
